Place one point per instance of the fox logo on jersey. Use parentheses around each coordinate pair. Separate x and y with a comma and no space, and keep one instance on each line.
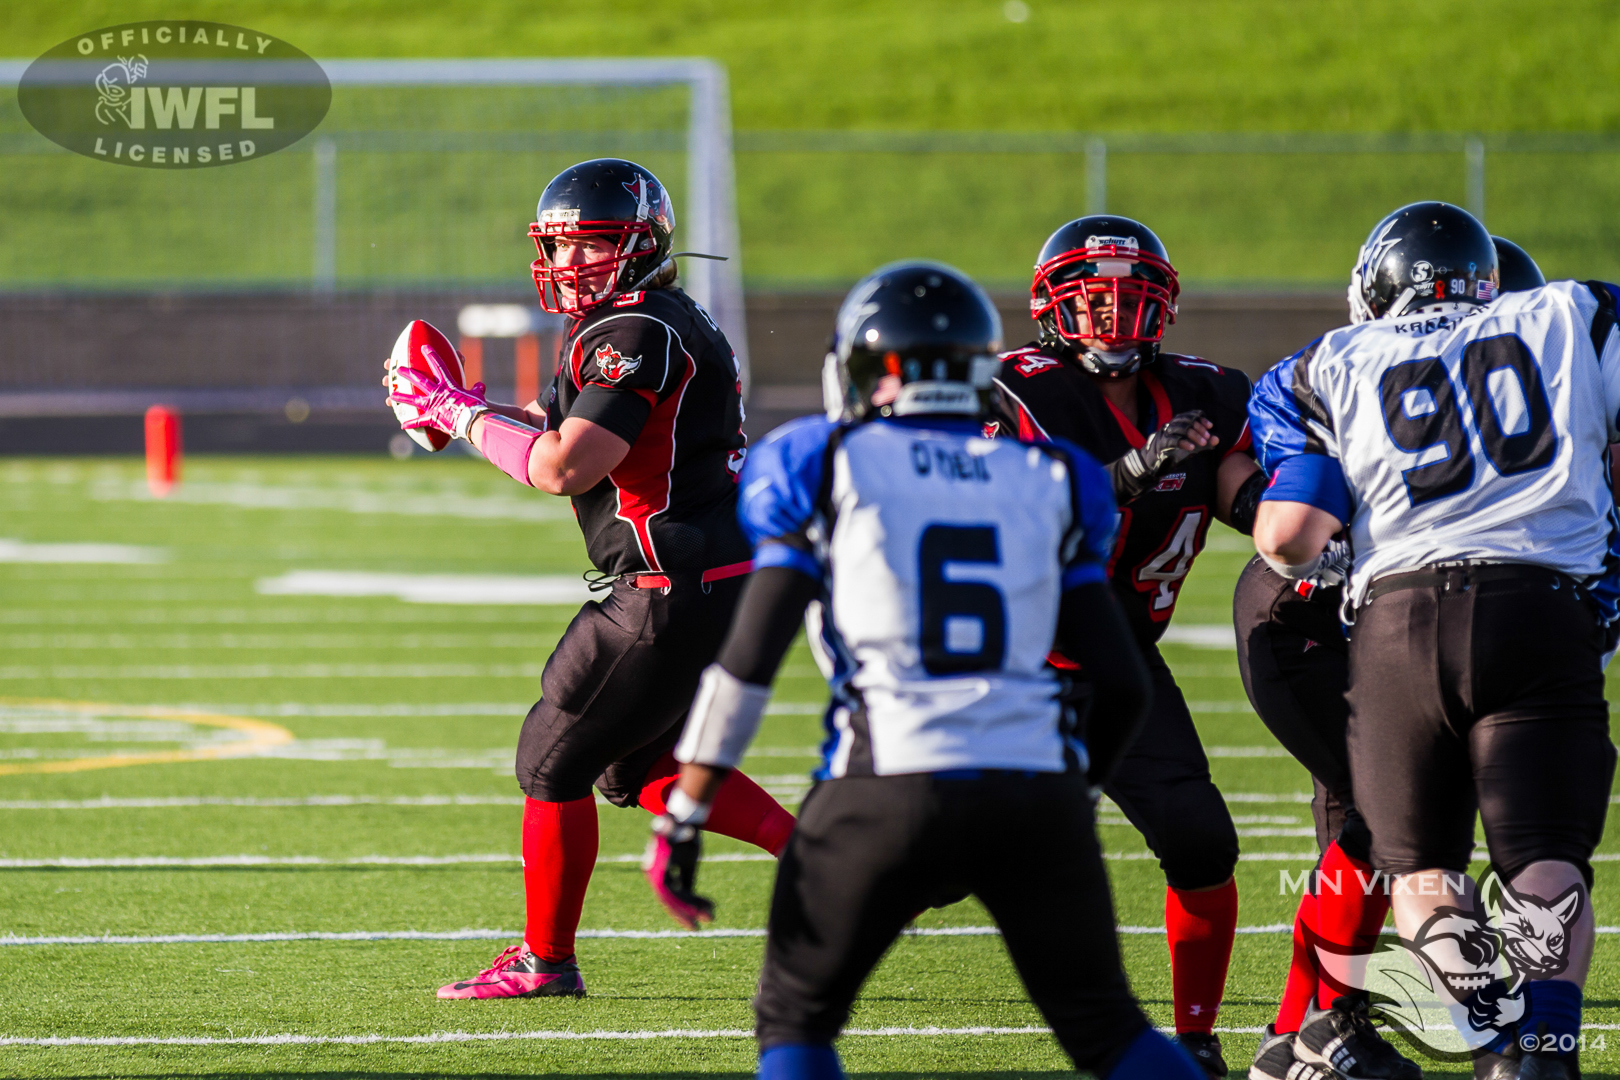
(615,366)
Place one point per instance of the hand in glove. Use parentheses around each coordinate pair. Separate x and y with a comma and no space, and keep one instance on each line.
(441,403)
(1138,470)
(671,867)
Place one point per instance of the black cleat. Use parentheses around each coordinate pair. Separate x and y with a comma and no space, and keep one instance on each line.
(1205,1049)
(1275,1060)
(1344,1040)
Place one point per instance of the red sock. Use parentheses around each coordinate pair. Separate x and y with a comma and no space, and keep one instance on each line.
(559,853)
(742,810)
(1200,926)
(1301,985)
(1351,905)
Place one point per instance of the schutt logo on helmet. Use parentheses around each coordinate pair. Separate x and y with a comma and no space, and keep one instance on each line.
(174,94)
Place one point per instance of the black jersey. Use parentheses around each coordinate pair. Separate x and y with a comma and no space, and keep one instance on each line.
(654,369)
(1162,530)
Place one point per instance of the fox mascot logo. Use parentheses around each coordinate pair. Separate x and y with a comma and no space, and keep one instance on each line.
(614,365)
(1457,986)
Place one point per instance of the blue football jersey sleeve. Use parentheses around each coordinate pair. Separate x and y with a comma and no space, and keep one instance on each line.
(1090,540)
(1294,441)
(780,481)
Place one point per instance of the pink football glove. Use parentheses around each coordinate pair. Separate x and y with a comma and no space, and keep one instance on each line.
(671,867)
(442,403)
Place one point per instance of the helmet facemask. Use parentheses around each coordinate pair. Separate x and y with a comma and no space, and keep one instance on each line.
(1108,302)
(573,290)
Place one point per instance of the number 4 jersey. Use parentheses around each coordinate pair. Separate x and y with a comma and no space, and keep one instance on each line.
(1481,434)
(944,555)
(1161,531)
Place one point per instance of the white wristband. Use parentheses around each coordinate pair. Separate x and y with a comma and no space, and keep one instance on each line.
(725,714)
(685,809)
(1296,572)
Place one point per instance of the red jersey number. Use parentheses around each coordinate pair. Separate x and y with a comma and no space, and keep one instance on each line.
(1162,572)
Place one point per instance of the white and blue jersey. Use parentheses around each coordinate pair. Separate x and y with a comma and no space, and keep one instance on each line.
(944,556)
(1479,434)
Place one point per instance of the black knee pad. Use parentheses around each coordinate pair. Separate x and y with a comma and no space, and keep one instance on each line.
(1200,858)
(1355,838)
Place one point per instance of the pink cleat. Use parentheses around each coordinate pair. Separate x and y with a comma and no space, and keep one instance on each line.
(517,972)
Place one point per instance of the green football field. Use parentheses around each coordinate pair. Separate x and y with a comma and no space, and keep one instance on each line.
(282,794)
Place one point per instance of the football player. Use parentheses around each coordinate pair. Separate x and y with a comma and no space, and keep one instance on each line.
(944,564)
(1463,440)
(642,426)
(1294,659)
(1174,432)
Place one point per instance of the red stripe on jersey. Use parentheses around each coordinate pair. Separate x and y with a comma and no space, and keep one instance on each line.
(1161,412)
(575,363)
(1026,426)
(1245,440)
(644,476)
(1161,400)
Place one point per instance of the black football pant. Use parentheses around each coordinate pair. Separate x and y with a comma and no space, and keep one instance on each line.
(616,690)
(1479,682)
(870,852)
(1297,683)
(1162,784)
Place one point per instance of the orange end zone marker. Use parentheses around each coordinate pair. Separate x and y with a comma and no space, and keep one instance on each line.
(526,368)
(162,449)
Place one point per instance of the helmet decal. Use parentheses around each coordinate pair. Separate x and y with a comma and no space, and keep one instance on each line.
(638,188)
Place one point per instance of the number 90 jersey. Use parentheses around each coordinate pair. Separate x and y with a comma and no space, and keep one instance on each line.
(1481,434)
(944,555)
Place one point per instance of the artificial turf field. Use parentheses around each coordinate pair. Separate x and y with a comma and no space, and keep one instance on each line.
(381,801)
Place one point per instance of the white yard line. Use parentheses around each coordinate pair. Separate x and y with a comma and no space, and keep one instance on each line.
(479,589)
(352,500)
(442,1037)
(155,862)
(20,551)
(107,802)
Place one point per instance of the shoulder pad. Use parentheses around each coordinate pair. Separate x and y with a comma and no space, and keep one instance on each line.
(626,348)
(782,478)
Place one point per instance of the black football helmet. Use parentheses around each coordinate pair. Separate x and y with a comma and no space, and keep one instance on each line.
(607,198)
(1104,291)
(1422,255)
(912,337)
(1516,270)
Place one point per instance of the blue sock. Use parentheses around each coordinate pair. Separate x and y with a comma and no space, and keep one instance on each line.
(1557,1004)
(800,1061)
(1154,1057)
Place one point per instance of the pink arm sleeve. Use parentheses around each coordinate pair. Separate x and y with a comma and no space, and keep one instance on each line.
(507,444)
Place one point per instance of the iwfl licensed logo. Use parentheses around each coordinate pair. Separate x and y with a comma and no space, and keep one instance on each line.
(174,94)
(1458,986)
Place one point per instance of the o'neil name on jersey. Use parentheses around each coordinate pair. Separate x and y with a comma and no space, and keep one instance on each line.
(174,94)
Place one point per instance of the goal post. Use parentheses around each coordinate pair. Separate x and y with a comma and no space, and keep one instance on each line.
(708,220)
(422,177)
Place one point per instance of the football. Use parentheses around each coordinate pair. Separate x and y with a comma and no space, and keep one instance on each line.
(408,353)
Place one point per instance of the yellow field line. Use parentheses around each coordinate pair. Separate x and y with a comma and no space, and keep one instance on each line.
(263,735)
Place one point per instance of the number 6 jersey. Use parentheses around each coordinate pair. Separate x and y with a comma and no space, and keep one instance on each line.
(1481,434)
(944,556)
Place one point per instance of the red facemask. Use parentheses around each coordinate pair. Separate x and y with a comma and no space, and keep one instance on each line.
(573,290)
(1141,308)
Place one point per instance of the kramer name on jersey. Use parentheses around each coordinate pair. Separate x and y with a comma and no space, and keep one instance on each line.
(1475,435)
